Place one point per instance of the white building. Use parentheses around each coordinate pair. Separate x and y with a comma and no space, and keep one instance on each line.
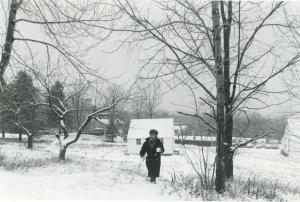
(290,143)
(139,131)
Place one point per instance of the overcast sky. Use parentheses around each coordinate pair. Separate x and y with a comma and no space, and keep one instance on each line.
(123,66)
(125,63)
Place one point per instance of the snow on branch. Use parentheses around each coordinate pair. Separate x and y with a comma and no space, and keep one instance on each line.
(89,118)
(256,137)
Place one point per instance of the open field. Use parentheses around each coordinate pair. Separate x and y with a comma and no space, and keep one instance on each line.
(98,170)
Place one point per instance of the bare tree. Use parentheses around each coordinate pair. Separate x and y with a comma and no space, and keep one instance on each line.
(186,45)
(248,83)
(138,106)
(146,99)
(67,30)
(61,111)
(220,118)
(81,100)
(113,93)
(8,45)
(152,97)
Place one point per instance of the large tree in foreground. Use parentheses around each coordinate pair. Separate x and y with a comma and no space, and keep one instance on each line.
(220,95)
(191,47)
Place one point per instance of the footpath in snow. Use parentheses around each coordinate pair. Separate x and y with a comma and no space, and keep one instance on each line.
(101,172)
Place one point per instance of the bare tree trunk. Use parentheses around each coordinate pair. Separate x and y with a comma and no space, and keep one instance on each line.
(30,136)
(77,113)
(112,125)
(220,166)
(6,53)
(30,142)
(20,135)
(228,148)
(62,153)
(227,19)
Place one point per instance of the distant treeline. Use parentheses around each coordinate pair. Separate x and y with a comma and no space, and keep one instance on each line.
(244,126)
(256,124)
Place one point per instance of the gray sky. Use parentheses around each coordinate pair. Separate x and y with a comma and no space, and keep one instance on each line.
(123,66)
(127,65)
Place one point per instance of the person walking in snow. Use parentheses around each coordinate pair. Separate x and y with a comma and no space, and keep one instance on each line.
(153,147)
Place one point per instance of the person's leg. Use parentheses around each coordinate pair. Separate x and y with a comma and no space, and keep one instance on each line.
(152,170)
(156,171)
(149,170)
(149,175)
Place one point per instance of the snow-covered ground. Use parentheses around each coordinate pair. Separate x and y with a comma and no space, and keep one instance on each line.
(103,171)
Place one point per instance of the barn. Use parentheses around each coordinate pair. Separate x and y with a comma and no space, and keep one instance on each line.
(101,126)
(290,143)
(139,131)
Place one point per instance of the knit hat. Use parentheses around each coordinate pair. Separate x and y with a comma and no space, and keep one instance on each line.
(153,131)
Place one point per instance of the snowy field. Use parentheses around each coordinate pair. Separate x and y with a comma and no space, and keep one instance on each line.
(103,171)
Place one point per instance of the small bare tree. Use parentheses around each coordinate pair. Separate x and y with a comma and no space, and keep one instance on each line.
(138,106)
(151,94)
(61,111)
(113,93)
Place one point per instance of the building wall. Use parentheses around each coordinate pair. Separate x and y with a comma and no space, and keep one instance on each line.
(95,124)
(133,148)
(169,145)
(290,147)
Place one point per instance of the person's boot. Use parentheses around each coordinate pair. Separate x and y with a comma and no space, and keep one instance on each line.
(154,180)
(151,179)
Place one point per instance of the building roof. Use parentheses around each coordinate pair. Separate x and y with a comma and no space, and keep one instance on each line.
(139,128)
(106,121)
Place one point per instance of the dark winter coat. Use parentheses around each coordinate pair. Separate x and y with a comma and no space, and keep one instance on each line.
(153,157)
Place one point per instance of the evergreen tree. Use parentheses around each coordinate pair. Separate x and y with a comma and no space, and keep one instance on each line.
(57,92)
(24,93)
(7,118)
(20,91)
(19,95)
